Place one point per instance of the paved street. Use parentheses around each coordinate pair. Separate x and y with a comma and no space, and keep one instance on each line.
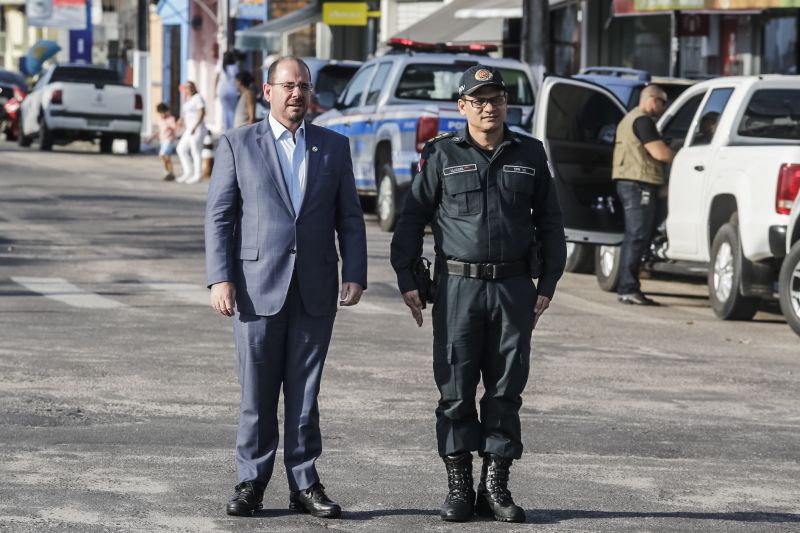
(118,392)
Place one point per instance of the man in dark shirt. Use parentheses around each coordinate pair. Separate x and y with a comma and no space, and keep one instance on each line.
(639,158)
(488,195)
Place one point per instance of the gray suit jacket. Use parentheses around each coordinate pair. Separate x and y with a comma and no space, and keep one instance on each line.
(253,238)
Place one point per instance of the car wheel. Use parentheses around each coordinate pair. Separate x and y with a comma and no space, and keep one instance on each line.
(105,144)
(606,267)
(580,258)
(134,144)
(790,288)
(725,277)
(22,140)
(45,136)
(387,201)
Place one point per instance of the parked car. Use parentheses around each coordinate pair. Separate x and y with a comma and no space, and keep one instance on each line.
(789,280)
(627,83)
(81,102)
(398,101)
(13,88)
(730,186)
(329,78)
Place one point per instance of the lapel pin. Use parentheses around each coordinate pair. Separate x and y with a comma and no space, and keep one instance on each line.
(314,149)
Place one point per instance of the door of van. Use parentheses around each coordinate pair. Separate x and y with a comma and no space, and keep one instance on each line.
(577,121)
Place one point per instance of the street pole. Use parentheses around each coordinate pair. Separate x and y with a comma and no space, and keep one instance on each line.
(141,64)
(536,38)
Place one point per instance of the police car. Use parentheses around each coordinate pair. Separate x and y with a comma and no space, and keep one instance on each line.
(397,102)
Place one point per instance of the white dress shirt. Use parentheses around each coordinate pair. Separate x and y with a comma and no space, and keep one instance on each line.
(292,157)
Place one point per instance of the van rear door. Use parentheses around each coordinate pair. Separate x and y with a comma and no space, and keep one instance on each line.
(577,121)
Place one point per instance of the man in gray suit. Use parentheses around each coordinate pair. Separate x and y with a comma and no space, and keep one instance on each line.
(281,191)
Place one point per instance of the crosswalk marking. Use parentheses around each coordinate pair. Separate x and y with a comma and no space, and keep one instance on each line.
(65,292)
(185,291)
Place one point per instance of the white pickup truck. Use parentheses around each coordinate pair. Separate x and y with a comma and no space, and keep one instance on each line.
(730,188)
(81,102)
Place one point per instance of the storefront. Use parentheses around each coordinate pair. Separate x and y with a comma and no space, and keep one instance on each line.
(703,38)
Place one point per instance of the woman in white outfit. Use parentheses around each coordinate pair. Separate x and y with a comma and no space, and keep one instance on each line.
(190,146)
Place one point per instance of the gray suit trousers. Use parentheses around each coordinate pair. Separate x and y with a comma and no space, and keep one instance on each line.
(286,349)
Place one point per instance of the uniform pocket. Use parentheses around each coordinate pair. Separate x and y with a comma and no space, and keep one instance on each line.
(520,181)
(463,193)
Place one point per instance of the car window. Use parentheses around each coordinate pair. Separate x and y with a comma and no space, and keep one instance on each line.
(772,113)
(378,82)
(357,86)
(709,117)
(518,86)
(583,115)
(333,79)
(86,75)
(677,128)
(439,82)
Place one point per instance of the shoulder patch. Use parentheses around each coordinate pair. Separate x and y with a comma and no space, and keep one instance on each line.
(441,136)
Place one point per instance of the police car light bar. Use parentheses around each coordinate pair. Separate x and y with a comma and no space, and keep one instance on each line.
(397,43)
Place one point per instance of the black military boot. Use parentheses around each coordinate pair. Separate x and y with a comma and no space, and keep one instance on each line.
(494,498)
(247,498)
(459,505)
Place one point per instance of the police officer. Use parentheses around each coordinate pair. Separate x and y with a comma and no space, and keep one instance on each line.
(488,195)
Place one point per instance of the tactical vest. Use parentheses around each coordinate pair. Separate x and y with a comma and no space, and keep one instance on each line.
(631,160)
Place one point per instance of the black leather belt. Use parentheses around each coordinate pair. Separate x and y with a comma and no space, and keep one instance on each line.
(485,271)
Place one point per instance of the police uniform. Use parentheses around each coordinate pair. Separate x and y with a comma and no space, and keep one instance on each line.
(487,211)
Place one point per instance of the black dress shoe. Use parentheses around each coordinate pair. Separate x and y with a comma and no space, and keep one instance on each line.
(636,298)
(247,498)
(314,501)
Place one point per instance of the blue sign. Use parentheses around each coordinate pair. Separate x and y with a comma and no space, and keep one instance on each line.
(80,41)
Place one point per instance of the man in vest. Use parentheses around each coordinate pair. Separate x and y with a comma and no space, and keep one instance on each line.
(639,157)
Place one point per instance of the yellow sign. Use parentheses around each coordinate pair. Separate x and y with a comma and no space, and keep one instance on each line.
(344,13)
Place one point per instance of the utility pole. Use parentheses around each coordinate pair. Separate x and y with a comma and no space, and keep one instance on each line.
(536,38)
(141,63)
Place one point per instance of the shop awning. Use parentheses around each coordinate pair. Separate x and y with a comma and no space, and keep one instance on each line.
(639,7)
(503,9)
(442,26)
(267,36)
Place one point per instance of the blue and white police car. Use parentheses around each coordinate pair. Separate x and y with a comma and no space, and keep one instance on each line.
(397,102)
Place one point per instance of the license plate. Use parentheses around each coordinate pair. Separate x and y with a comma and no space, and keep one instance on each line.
(98,123)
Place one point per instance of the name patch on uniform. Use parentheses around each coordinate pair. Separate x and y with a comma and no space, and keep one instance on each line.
(459,169)
(522,170)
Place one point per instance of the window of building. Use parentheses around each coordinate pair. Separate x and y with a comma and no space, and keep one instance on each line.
(781,49)
(639,42)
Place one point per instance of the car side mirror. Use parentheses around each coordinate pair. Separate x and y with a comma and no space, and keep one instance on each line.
(514,116)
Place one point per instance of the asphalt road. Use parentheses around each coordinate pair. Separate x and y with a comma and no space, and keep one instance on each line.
(118,393)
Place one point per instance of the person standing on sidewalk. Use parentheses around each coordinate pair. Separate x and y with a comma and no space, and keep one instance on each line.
(638,168)
(246,107)
(489,197)
(225,86)
(282,190)
(190,147)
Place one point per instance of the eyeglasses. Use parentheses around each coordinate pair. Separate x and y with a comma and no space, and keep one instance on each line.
(660,99)
(480,103)
(290,87)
